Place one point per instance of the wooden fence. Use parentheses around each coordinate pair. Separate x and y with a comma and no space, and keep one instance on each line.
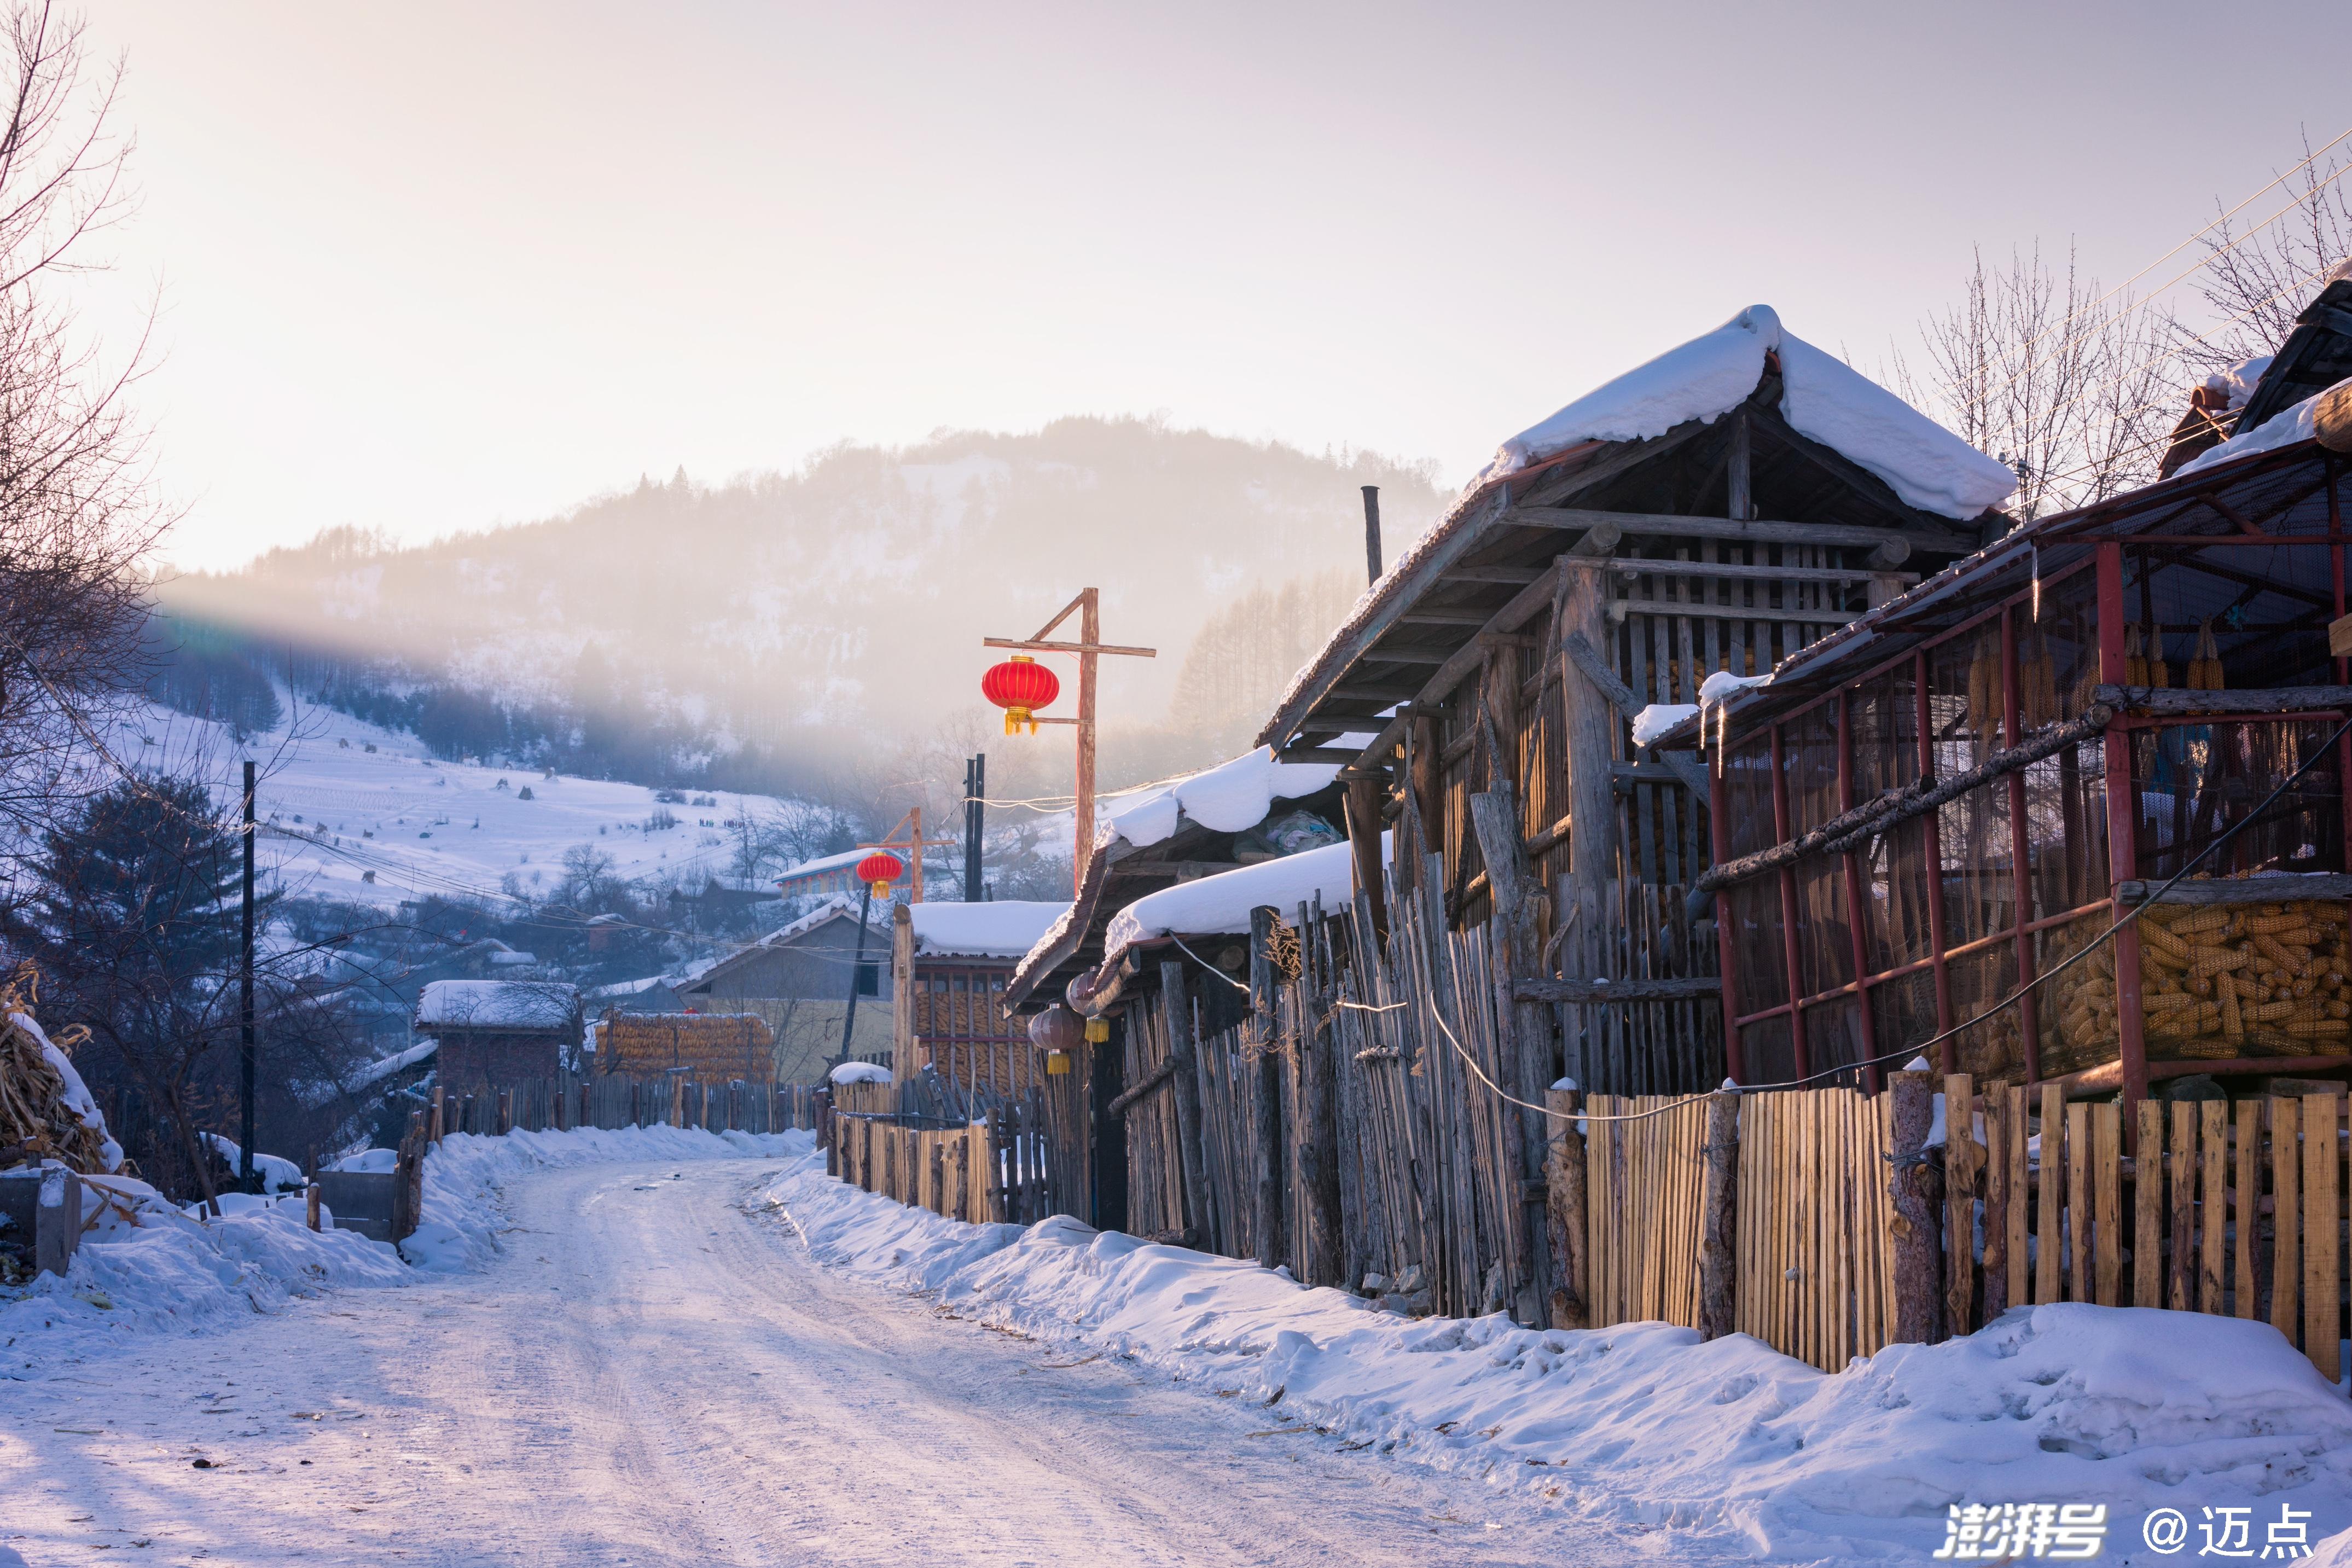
(618,1099)
(2234,1208)
(992,1168)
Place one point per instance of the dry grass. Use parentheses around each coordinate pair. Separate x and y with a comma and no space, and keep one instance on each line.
(35,1120)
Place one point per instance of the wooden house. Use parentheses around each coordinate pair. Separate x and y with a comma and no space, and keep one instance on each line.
(500,1031)
(835,875)
(1710,513)
(1928,826)
(950,967)
(798,978)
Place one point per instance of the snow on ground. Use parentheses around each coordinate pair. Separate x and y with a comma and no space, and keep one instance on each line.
(171,1271)
(1730,1449)
(337,810)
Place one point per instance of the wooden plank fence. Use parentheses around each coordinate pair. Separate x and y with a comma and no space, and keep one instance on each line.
(618,1099)
(994,1168)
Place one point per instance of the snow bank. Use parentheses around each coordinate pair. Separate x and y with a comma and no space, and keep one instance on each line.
(1822,397)
(859,1072)
(278,1174)
(145,1267)
(1733,1446)
(1223,902)
(2283,429)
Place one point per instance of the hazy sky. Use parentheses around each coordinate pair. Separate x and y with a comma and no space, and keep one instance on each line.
(432,267)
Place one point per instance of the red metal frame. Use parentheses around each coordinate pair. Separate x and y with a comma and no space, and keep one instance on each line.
(2123,823)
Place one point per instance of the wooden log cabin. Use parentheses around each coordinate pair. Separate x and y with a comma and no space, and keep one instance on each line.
(1715,510)
(2134,710)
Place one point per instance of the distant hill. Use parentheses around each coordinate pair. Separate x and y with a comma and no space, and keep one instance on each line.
(742,634)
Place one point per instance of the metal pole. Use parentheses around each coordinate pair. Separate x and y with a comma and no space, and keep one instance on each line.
(975,797)
(245,1000)
(849,1017)
(1372,532)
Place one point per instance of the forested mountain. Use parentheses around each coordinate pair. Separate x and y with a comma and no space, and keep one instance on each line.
(742,634)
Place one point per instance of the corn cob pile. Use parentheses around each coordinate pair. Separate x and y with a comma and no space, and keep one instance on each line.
(2246,980)
(2079,1030)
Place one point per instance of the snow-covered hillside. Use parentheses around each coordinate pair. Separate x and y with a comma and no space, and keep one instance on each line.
(351,811)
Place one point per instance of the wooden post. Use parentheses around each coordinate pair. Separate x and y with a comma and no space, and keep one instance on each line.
(1718,1218)
(1364,824)
(1091,635)
(1324,1253)
(1527,1025)
(902,985)
(1589,745)
(1426,787)
(1918,1271)
(440,1114)
(1267,1219)
(1960,1200)
(310,1204)
(1175,997)
(1564,1212)
(505,1123)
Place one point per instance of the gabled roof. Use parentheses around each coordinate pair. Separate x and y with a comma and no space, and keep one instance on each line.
(1852,461)
(2316,356)
(1003,928)
(840,906)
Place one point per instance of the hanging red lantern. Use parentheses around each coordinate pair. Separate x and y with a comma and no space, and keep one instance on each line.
(878,871)
(1020,686)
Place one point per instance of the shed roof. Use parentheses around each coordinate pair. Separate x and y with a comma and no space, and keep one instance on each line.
(1005,928)
(521,1004)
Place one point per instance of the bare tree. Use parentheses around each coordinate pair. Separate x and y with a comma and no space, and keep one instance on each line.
(2259,274)
(2073,389)
(76,515)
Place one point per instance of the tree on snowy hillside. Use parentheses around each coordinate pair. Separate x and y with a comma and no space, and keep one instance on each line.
(75,517)
(129,912)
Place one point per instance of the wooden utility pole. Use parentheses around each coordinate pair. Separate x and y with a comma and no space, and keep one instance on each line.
(914,844)
(1089,647)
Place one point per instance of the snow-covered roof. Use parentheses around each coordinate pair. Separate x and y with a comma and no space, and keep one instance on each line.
(823,863)
(2283,429)
(628,987)
(1005,929)
(1227,799)
(1822,398)
(860,1072)
(838,906)
(497,1004)
(1223,903)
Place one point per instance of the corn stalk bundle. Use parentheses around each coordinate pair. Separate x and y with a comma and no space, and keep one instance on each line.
(36,1120)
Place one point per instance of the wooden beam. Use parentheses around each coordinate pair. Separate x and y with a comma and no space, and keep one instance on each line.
(1629,773)
(1524,605)
(1594,668)
(1343,756)
(1619,608)
(2249,700)
(1377,691)
(1445,617)
(1638,566)
(1508,576)
(1671,526)
(1069,646)
(1681,990)
(2331,885)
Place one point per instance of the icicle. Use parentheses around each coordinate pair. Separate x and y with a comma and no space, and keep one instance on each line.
(2036,548)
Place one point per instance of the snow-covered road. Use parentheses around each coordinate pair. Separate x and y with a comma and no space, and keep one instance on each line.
(651,1374)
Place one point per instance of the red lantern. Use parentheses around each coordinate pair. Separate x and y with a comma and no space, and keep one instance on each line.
(878,871)
(1020,686)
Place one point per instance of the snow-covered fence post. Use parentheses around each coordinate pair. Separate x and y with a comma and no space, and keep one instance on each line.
(1918,1262)
(440,1114)
(310,1204)
(505,1123)
(1718,1268)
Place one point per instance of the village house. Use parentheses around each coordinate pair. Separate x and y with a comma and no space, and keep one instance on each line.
(798,978)
(1705,515)
(953,966)
(494,1032)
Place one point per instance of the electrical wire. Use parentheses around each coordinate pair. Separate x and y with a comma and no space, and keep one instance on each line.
(1978,401)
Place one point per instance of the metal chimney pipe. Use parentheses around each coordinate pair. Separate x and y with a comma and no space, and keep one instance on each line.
(1372,532)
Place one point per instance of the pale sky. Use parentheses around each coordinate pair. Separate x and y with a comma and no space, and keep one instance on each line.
(434,266)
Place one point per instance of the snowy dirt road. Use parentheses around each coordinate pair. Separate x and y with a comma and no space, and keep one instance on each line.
(650,1375)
